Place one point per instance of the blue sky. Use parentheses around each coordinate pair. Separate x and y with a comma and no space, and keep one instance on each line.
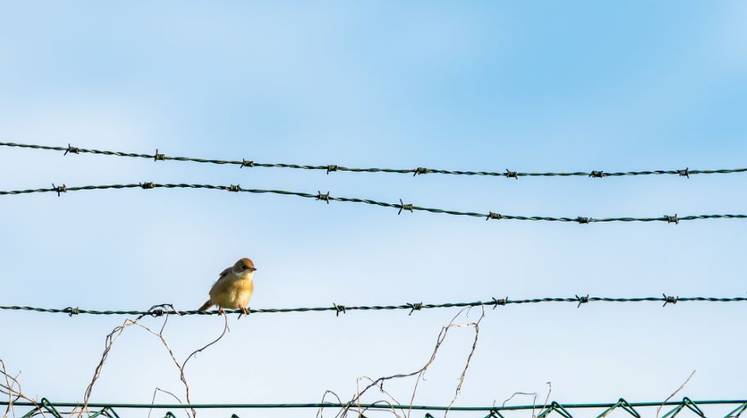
(455,85)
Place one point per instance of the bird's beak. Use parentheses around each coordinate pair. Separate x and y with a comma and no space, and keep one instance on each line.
(252,269)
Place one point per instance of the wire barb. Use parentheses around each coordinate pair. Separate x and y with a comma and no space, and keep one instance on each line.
(59,189)
(499,302)
(404,206)
(583,220)
(246,163)
(158,156)
(148,185)
(331,168)
(414,307)
(72,311)
(673,219)
(339,309)
(71,150)
(597,174)
(670,299)
(511,174)
(234,188)
(684,173)
(322,196)
(493,215)
(420,171)
(582,299)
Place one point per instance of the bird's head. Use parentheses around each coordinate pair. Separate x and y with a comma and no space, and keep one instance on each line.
(244,266)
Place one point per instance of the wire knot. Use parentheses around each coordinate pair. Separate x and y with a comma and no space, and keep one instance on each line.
(583,220)
(582,299)
(420,170)
(331,168)
(501,302)
(59,189)
(160,310)
(322,196)
(684,173)
(414,307)
(70,311)
(158,156)
(511,174)
(670,299)
(493,215)
(72,150)
(404,206)
(597,174)
(234,188)
(339,309)
(148,185)
(673,219)
(246,163)
(156,312)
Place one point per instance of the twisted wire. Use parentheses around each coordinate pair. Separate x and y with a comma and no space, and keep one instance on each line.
(401,206)
(165,309)
(329,168)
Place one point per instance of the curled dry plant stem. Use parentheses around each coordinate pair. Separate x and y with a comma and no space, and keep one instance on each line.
(12,388)
(379,382)
(153,400)
(320,411)
(682,386)
(458,390)
(388,403)
(117,331)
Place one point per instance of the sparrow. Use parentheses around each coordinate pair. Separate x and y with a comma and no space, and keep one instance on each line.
(234,288)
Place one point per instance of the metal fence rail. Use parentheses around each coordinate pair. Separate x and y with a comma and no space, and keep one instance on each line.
(553,408)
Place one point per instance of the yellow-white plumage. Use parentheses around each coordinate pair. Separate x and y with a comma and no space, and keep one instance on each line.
(234,288)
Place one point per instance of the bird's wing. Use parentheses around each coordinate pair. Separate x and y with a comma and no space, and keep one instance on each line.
(221,282)
(224,272)
(223,275)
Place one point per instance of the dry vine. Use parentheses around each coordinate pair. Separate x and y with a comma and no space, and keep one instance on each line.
(355,401)
(157,310)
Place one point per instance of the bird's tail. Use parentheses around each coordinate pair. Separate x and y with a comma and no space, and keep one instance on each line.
(205,306)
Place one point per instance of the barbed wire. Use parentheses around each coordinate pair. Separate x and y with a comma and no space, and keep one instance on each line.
(401,206)
(168,309)
(330,168)
(108,409)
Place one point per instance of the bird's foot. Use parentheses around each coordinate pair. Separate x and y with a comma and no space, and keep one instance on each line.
(245,311)
(221,311)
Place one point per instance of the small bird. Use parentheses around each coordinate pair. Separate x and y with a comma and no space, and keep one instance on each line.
(234,288)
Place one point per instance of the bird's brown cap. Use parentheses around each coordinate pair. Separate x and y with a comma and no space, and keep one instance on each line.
(247,264)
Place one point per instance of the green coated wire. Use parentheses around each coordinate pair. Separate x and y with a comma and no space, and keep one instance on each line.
(742,404)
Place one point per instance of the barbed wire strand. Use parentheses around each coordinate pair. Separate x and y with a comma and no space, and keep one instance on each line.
(400,207)
(338,309)
(330,168)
